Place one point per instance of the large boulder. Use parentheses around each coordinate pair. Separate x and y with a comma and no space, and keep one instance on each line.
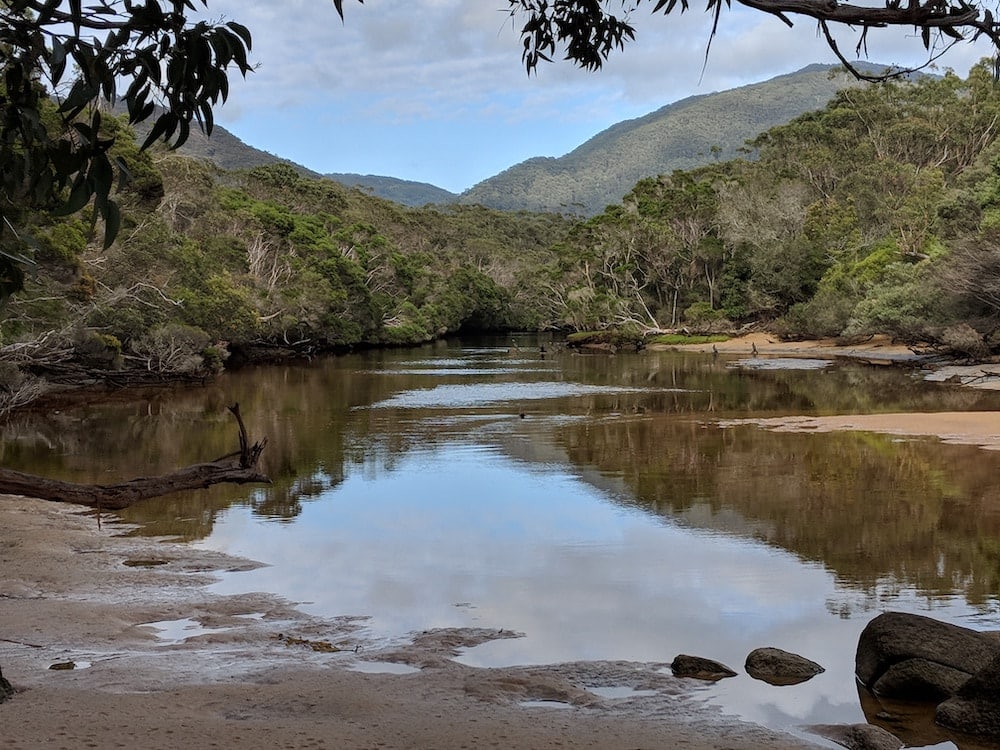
(777,667)
(975,708)
(916,658)
(699,667)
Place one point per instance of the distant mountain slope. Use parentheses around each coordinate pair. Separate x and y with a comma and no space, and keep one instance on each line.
(225,150)
(406,192)
(682,135)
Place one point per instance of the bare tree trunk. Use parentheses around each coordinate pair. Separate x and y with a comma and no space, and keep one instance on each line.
(235,468)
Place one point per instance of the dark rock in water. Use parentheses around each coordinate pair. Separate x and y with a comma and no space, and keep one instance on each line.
(919,680)
(858,736)
(917,658)
(699,668)
(777,667)
(6,689)
(975,708)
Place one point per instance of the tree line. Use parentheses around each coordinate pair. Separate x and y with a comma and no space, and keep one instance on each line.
(879,213)
(876,214)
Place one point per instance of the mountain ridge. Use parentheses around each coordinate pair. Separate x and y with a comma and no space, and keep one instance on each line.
(681,135)
(684,134)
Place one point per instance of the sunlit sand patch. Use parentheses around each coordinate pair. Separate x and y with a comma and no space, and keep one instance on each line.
(980,428)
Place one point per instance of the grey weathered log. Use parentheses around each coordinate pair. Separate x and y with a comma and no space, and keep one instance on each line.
(235,468)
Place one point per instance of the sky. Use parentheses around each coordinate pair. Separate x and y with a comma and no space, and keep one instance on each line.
(435,91)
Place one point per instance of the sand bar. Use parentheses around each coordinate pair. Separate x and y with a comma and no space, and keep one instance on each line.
(980,428)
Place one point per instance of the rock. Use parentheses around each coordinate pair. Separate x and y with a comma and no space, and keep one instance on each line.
(6,689)
(919,680)
(975,708)
(699,668)
(943,656)
(777,667)
(858,736)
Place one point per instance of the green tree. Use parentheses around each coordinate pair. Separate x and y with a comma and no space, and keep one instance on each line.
(63,64)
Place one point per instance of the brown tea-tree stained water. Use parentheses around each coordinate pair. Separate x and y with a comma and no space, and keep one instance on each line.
(593,503)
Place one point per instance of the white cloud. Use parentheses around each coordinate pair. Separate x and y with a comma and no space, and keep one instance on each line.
(454,65)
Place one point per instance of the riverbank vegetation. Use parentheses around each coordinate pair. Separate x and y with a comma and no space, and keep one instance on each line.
(878,214)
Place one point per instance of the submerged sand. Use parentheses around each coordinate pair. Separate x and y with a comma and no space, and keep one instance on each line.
(257,673)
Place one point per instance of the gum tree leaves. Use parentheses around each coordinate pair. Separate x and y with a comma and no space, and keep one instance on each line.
(588,31)
(62,62)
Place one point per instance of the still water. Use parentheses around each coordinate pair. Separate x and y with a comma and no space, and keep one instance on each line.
(591,502)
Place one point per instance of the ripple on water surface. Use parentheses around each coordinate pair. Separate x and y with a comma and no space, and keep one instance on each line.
(463,396)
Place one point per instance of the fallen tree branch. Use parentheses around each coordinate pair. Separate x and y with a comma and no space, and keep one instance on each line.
(236,468)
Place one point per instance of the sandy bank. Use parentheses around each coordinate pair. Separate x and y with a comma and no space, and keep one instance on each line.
(963,428)
(259,674)
(878,350)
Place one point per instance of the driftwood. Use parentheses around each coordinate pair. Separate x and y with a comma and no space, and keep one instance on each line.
(235,468)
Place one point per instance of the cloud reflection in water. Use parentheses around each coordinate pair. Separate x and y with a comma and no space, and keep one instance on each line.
(464,535)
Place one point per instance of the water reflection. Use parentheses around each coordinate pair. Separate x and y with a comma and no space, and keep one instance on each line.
(591,502)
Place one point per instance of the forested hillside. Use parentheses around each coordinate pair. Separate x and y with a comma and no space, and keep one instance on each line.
(686,134)
(879,213)
(210,265)
(683,135)
(226,151)
(405,192)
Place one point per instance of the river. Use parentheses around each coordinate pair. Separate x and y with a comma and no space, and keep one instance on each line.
(597,504)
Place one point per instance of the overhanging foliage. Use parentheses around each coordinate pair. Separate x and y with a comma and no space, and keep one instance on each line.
(62,64)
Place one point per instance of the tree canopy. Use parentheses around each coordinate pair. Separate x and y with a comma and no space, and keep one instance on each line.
(62,63)
(588,31)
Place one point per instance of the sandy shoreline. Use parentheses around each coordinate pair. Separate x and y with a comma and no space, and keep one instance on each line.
(960,428)
(72,593)
(878,350)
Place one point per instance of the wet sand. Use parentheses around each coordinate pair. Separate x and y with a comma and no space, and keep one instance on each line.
(260,674)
